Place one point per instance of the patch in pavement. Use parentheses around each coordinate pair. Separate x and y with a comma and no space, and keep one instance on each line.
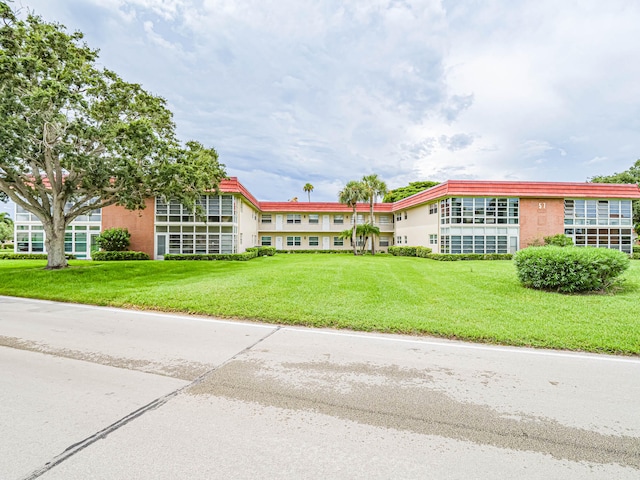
(174,368)
(405,399)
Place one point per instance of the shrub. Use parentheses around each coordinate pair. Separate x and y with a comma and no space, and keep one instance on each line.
(315,251)
(570,269)
(402,251)
(29,256)
(636,249)
(114,239)
(452,257)
(263,251)
(559,240)
(248,255)
(118,255)
(423,252)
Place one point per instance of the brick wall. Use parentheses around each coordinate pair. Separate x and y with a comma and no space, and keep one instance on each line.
(540,217)
(140,224)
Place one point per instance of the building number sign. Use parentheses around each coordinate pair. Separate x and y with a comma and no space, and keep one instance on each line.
(542,205)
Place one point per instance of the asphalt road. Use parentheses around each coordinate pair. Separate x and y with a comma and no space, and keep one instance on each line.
(98,393)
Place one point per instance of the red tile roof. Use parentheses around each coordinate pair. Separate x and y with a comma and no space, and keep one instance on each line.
(475,188)
(451,188)
(313,207)
(232,185)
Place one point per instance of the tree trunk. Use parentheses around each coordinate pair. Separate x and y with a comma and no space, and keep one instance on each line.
(373,237)
(353,233)
(54,242)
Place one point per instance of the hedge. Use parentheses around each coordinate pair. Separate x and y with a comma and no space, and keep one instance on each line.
(450,257)
(248,255)
(314,251)
(263,251)
(636,249)
(398,251)
(570,269)
(29,256)
(118,255)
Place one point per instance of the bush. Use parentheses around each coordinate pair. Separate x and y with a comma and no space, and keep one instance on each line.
(423,252)
(315,251)
(263,251)
(570,269)
(636,249)
(118,255)
(403,251)
(29,256)
(248,255)
(452,257)
(114,240)
(7,246)
(559,240)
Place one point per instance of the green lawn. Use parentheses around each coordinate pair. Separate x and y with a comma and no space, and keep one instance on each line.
(472,300)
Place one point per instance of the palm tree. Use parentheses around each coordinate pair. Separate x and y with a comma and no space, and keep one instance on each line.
(350,195)
(308,188)
(367,231)
(374,187)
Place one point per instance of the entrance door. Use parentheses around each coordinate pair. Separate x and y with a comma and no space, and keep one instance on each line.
(279,242)
(279,223)
(325,243)
(161,246)
(325,223)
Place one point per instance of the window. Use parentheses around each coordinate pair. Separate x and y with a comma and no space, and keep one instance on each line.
(293,241)
(338,219)
(405,215)
(433,208)
(266,218)
(360,219)
(479,211)
(597,212)
(398,216)
(384,219)
(433,239)
(399,240)
(384,241)
(265,241)
(338,242)
(314,218)
(615,237)
(405,240)
(294,218)
(313,241)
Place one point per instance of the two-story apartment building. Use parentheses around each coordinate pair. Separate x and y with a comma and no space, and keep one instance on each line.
(453,217)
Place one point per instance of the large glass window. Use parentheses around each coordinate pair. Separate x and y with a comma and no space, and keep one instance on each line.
(597,212)
(266,218)
(599,223)
(338,241)
(294,218)
(265,241)
(215,208)
(313,241)
(314,218)
(479,211)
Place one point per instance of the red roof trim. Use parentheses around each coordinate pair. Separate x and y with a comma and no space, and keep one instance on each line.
(475,188)
(450,188)
(232,185)
(316,207)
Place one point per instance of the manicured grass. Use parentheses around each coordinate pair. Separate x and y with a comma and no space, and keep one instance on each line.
(473,300)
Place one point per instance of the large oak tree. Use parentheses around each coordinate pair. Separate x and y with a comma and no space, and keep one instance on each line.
(75,137)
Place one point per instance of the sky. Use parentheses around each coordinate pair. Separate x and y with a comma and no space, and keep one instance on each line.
(326,91)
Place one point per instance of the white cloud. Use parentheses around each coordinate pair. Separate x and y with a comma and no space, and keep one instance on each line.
(326,91)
